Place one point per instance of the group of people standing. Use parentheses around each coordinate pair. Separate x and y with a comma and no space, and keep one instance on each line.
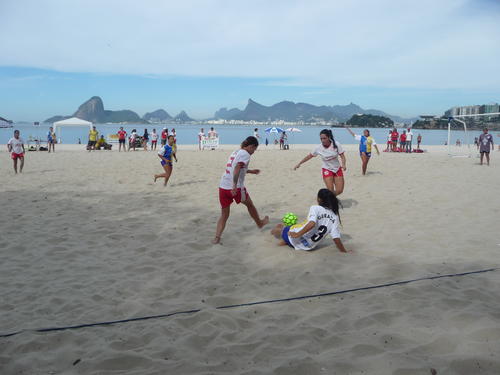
(135,141)
(405,140)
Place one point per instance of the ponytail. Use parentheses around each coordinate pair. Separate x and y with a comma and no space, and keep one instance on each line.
(329,134)
(328,200)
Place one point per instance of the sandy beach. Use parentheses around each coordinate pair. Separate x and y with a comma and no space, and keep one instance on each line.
(88,237)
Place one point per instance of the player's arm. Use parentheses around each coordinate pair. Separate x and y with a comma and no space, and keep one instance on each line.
(340,245)
(376,148)
(350,131)
(343,164)
(9,147)
(22,144)
(306,228)
(236,176)
(307,158)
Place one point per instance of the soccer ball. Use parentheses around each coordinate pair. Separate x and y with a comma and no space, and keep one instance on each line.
(289,219)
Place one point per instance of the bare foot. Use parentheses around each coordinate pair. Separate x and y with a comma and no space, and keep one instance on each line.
(216,240)
(264,221)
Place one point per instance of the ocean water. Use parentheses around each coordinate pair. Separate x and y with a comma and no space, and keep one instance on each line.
(228,134)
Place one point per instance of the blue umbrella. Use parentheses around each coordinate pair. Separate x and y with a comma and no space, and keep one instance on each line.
(274,129)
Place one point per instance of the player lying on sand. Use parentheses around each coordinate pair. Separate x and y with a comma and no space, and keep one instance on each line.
(322,219)
(165,154)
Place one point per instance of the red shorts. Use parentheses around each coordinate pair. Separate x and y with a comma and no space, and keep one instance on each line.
(226,198)
(15,156)
(328,173)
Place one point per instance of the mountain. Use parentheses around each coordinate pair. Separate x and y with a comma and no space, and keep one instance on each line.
(93,110)
(370,121)
(290,111)
(157,116)
(183,117)
(225,114)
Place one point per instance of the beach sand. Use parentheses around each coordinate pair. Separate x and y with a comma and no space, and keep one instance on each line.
(88,237)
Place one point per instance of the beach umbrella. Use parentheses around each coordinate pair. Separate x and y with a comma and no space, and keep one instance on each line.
(274,129)
(293,130)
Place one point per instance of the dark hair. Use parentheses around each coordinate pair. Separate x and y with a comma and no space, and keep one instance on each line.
(328,200)
(366,130)
(256,129)
(250,141)
(329,134)
(170,136)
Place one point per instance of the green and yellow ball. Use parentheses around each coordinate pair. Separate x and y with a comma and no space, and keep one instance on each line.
(289,219)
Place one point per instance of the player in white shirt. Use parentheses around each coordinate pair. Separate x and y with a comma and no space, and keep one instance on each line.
(323,219)
(16,148)
(332,168)
(201,137)
(232,186)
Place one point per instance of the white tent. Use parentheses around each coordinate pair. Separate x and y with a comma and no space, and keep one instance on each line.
(73,121)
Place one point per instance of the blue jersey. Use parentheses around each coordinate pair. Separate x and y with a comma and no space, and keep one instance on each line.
(365,143)
(166,152)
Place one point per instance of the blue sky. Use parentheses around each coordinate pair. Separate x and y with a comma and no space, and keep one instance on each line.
(404,57)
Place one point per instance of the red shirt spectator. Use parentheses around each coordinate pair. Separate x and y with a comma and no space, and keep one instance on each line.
(402,138)
(394,136)
(122,134)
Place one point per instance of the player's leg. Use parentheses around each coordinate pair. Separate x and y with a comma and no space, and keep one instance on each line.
(255,214)
(276,231)
(364,162)
(221,223)
(22,164)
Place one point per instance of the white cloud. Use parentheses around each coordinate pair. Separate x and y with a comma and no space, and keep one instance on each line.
(392,43)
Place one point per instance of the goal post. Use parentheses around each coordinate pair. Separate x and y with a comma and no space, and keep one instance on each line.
(456,118)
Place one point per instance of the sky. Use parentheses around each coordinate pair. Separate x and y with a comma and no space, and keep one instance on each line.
(403,57)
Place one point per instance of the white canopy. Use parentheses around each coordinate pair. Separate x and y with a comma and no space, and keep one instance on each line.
(73,121)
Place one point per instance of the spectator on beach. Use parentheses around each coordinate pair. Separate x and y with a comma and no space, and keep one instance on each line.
(389,141)
(132,139)
(122,136)
(174,134)
(145,139)
(101,143)
(201,136)
(154,139)
(394,139)
(409,137)
(93,136)
(283,139)
(256,133)
(458,143)
(476,142)
(485,145)
(51,139)
(402,141)
(212,134)
(15,146)
(164,135)
(419,140)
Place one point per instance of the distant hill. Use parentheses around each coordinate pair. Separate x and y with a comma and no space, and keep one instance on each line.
(370,121)
(226,114)
(93,110)
(183,117)
(290,111)
(157,116)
